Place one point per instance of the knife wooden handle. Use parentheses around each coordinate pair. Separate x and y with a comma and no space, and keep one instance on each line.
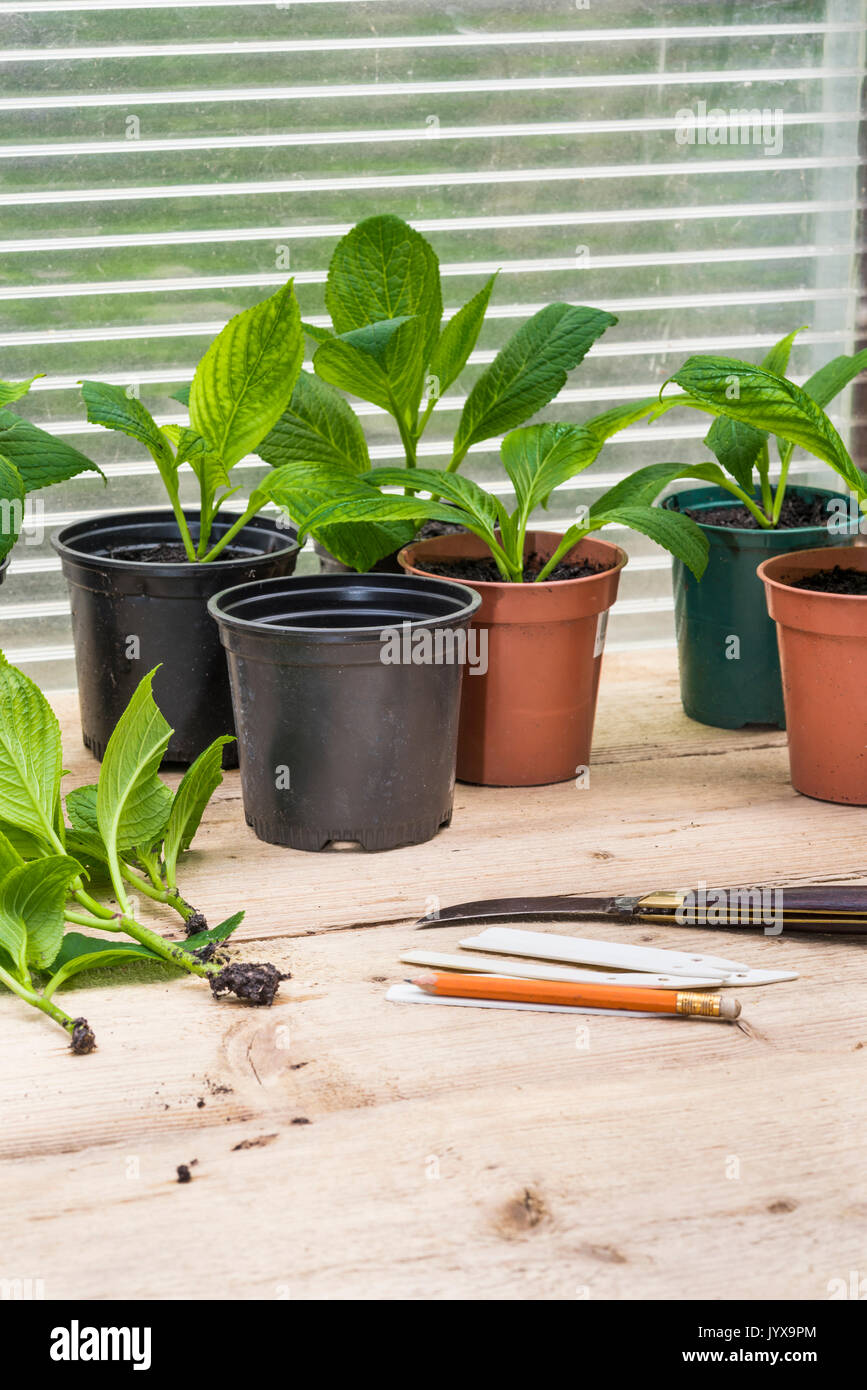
(814,907)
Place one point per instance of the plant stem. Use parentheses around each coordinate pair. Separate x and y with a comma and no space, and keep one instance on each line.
(31,997)
(563,548)
(780,495)
(158,893)
(230,534)
(98,910)
(80,919)
(169,951)
(174,498)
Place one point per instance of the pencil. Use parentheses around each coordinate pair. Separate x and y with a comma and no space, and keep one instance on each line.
(657,1001)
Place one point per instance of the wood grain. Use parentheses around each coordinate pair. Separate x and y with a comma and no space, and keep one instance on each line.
(463,1153)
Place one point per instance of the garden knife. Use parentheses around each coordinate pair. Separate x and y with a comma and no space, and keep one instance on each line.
(817,908)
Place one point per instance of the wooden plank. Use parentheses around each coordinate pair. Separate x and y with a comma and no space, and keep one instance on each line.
(462,1153)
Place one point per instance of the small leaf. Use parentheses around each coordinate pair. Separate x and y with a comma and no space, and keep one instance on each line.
(9,857)
(40,458)
(182,394)
(318,426)
(834,377)
(34,896)
(197,786)
(30,755)
(319,335)
(538,458)
(132,803)
(26,845)
(213,935)
(245,379)
(462,492)
(738,446)
(642,487)
(366,362)
(777,360)
(529,371)
(458,338)
(13,390)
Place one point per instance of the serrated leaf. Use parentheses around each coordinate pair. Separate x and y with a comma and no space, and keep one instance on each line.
(642,487)
(132,803)
(777,360)
(834,377)
(319,335)
(302,488)
(675,532)
(458,338)
(475,504)
(378,507)
(30,756)
(767,402)
(367,363)
(111,407)
(40,458)
(79,953)
(738,446)
(12,498)
(214,935)
(197,786)
(34,897)
(538,458)
(384,269)
(182,394)
(318,426)
(245,379)
(529,371)
(13,390)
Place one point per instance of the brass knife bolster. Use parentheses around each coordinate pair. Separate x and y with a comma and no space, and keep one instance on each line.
(666,906)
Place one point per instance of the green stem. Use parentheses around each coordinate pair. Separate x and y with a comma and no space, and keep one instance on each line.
(159,894)
(98,910)
(565,545)
(81,919)
(780,495)
(230,535)
(169,951)
(456,460)
(408,440)
(174,498)
(748,502)
(151,865)
(31,997)
(764,476)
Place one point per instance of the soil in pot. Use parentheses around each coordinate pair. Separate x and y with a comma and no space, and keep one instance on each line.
(137,602)
(727,644)
(527,717)
(818,599)
(346,692)
(485,571)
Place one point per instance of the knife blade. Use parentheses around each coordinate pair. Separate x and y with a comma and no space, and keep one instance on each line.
(815,907)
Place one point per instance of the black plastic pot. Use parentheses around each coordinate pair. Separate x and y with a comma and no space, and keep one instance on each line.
(336,743)
(163,606)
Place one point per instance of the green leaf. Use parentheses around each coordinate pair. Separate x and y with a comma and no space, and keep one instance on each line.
(13,390)
(197,786)
(111,407)
(642,487)
(738,446)
(834,377)
(26,845)
(777,360)
(371,362)
(30,756)
(182,394)
(539,458)
(379,507)
(302,488)
(458,338)
(476,504)
(726,386)
(40,458)
(245,379)
(529,371)
(34,897)
(383,269)
(675,532)
(78,953)
(12,497)
(318,426)
(132,804)
(319,335)
(214,934)
(9,857)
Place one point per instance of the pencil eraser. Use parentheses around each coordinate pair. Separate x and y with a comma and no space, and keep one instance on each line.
(729,1008)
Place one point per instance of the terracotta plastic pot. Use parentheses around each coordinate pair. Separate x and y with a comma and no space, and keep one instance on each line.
(528,719)
(823,656)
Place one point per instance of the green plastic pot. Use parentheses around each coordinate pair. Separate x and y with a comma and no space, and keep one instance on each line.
(727,644)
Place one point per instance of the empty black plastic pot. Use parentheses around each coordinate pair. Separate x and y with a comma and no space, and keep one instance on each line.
(346,730)
(129,615)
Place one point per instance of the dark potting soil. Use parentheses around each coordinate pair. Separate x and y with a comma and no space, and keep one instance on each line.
(485,571)
(796,511)
(838,580)
(439,528)
(168,553)
(256,983)
(83,1040)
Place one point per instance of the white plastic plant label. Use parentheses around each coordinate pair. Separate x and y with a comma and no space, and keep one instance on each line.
(601,629)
